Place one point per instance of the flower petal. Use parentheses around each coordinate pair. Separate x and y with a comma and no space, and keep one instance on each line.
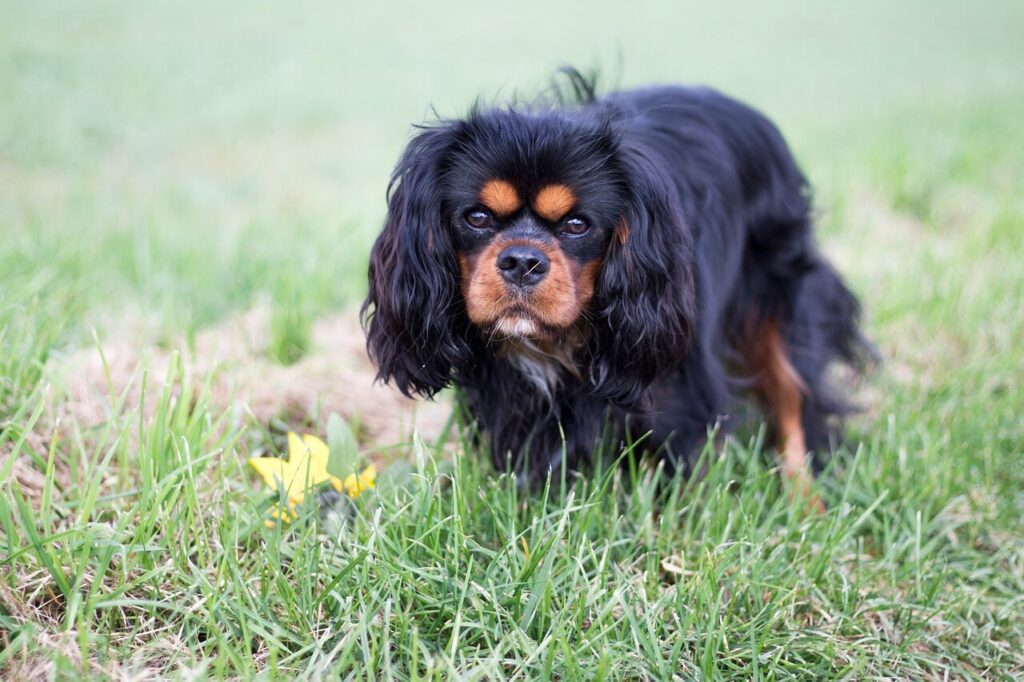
(279,474)
(309,461)
(281,513)
(319,455)
(318,451)
(354,485)
(274,471)
(296,448)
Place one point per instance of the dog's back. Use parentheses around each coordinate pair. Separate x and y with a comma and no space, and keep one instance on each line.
(760,277)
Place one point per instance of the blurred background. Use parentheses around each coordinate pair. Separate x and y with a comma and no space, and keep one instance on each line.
(164,165)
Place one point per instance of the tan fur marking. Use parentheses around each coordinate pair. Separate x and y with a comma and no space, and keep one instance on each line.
(482,287)
(553,202)
(556,302)
(500,198)
(586,281)
(554,299)
(781,389)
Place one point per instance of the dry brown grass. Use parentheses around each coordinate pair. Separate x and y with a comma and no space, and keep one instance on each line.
(336,376)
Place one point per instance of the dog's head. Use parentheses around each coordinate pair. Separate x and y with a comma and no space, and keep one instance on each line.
(547,226)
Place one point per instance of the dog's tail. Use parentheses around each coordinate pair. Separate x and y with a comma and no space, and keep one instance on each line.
(788,278)
(825,329)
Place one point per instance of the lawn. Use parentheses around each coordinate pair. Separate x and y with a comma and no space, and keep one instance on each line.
(187,199)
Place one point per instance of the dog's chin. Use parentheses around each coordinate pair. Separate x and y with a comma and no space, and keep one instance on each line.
(519,326)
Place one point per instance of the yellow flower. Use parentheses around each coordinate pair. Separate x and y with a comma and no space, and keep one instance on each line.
(281,512)
(305,469)
(356,484)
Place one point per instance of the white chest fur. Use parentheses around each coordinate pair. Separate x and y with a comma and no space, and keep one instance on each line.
(542,364)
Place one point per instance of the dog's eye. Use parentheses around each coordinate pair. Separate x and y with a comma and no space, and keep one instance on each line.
(481,220)
(574,226)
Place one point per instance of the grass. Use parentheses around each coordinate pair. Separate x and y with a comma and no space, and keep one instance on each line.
(166,169)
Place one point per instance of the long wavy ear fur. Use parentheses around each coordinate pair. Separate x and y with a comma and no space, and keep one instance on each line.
(645,303)
(410,313)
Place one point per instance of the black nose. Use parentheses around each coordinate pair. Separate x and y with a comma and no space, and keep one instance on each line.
(523,265)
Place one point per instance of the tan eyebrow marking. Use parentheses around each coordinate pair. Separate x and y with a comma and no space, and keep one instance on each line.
(500,198)
(553,202)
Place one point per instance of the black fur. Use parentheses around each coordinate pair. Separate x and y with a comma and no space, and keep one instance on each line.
(719,233)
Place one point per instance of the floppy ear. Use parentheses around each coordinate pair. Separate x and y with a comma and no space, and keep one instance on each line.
(645,302)
(410,310)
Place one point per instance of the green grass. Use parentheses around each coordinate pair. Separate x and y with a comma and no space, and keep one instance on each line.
(165,167)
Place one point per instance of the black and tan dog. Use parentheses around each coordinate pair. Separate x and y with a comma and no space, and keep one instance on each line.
(646,256)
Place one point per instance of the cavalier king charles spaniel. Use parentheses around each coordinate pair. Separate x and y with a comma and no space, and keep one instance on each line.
(642,260)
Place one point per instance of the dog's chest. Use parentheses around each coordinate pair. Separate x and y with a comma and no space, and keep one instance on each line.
(543,365)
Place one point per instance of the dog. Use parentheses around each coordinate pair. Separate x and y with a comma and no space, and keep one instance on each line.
(644,259)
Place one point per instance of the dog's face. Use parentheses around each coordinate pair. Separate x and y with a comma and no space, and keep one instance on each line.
(527,267)
(543,226)
(531,224)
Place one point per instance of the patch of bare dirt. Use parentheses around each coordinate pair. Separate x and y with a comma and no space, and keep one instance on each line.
(335,376)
